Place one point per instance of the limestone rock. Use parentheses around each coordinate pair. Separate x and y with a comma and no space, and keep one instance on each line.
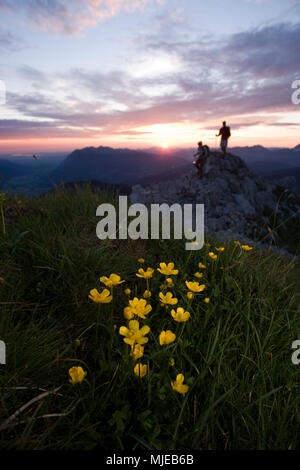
(234,199)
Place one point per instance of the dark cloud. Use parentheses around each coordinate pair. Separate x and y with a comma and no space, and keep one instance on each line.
(10,42)
(269,52)
(265,52)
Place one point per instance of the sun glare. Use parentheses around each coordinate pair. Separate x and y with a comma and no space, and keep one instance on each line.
(164,145)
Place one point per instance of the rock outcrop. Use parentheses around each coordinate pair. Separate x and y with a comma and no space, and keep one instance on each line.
(235,201)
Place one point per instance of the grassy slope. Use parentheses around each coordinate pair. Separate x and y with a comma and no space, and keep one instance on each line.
(235,352)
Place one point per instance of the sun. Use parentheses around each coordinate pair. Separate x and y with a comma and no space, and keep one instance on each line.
(164,145)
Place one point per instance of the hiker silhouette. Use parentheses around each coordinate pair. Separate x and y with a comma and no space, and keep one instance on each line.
(225,133)
(202,153)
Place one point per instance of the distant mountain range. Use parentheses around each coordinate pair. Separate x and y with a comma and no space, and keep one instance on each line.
(129,167)
(277,165)
(114,165)
(258,156)
(9,169)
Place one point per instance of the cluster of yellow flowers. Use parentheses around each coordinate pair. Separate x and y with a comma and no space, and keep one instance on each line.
(136,336)
(138,309)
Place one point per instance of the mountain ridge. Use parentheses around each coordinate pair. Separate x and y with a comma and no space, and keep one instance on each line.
(112,165)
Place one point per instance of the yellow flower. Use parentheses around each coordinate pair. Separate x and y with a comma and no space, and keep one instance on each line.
(221,248)
(167,269)
(171,362)
(179,386)
(141,260)
(137,307)
(134,334)
(145,274)
(169,282)
(190,295)
(127,291)
(198,275)
(236,242)
(112,280)
(246,247)
(201,266)
(167,299)
(140,370)
(104,298)
(137,351)
(166,337)
(194,286)
(147,294)
(207,300)
(77,375)
(212,255)
(180,315)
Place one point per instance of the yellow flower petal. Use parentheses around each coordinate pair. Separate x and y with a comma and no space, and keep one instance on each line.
(195,287)
(112,280)
(246,247)
(137,352)
(77,375)
(167,270)
(166,337)
(145,274)
(103,298)
(140,370)
(178,385)
(180,315)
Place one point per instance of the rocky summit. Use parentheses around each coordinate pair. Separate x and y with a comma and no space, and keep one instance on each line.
(235,200)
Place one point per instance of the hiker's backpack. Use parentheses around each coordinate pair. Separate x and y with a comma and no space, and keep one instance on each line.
(206,150)
(228,133)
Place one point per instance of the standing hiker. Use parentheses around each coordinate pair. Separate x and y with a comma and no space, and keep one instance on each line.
(225,133)
(202,153)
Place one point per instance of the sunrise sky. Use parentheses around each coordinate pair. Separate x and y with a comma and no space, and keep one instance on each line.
(140,73)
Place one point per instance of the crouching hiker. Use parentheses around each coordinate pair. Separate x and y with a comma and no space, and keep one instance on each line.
(202,153)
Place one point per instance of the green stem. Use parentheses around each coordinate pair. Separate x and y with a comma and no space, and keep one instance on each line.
(3,220)
(111,321)
(97,322)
